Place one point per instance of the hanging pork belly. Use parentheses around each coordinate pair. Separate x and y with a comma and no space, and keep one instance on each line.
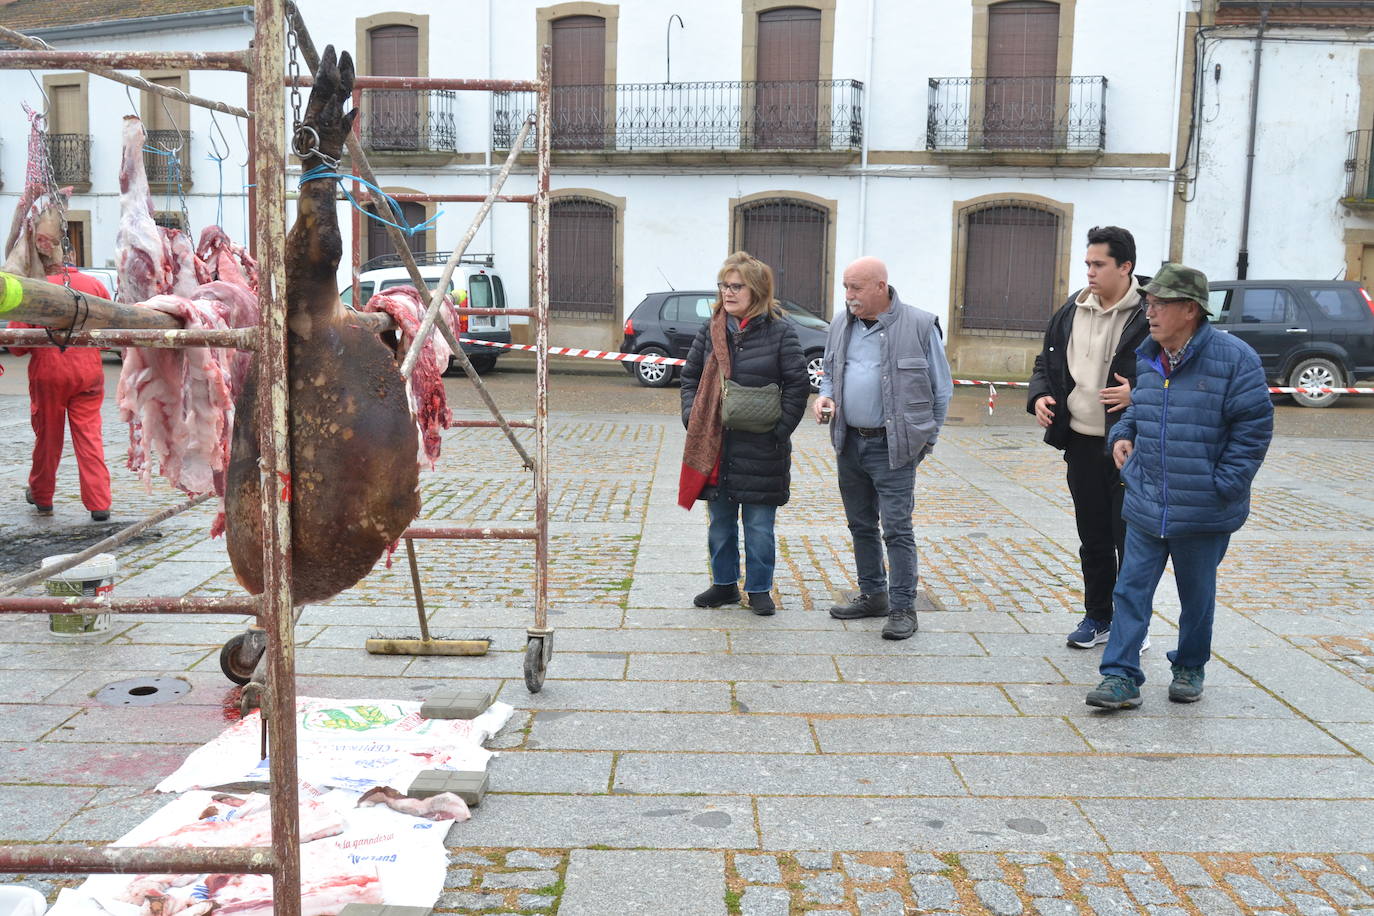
(354,482)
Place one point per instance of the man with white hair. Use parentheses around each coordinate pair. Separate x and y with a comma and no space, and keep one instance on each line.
(887,386)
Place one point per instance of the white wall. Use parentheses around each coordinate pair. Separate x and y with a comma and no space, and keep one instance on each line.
(1308,100)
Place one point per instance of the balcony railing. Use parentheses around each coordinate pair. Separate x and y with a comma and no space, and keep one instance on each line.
(409,121)
(1024,113)
(167,156)
(745,115)
(1359,181)
(70,155)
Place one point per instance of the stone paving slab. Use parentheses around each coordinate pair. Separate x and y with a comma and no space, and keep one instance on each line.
(1201,825)
(801,642)
(1218,702)
(970,670)
(643,881)
(578,730)
(740,667)
(1205,736)
(660,822)
(875,699)
(953,734)
(761,774)
(1313,688)
(635,696)
(560,772)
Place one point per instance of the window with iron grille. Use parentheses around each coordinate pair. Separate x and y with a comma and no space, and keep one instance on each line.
(790,236)
(169,219)
(582,258)
(379,241)
(1011,252)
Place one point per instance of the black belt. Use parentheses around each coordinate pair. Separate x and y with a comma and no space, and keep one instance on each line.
(870,432)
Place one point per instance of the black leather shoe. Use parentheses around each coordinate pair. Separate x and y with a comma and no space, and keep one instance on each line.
(861,606)
(717,595)
(761,603)
(901,623)
(100,515)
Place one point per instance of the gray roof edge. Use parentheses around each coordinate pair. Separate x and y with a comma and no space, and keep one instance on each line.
(232,15)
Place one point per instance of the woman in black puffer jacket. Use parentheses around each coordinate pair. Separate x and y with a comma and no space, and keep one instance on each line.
(741,475)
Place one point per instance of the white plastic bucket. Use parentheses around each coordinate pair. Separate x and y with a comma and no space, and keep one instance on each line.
(91,579)
(16,900)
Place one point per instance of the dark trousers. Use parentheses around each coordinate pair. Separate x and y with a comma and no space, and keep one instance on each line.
(1097,495)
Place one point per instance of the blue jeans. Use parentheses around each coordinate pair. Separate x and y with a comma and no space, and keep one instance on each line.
(722,543)
(873,492)
(1196,559)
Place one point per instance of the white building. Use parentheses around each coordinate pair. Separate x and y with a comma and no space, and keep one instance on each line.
(968,143)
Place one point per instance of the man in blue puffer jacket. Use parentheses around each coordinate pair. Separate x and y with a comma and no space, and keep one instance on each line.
(1188,447)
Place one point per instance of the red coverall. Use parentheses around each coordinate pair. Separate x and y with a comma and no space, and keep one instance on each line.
(68,386)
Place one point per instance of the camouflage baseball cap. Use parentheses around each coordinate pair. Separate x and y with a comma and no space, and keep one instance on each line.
(1174,281)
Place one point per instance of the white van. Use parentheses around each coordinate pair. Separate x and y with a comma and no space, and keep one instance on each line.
(474,273)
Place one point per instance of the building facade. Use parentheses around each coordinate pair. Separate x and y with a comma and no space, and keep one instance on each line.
(968,143)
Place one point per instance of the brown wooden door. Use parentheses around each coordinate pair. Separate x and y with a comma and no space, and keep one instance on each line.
(582,258)
(1023,54)
(393,115)
(788,74)
(379,243)
(579,75)
(1009,268)
(789,236)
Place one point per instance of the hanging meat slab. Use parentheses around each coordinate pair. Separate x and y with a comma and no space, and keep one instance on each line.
(354,483)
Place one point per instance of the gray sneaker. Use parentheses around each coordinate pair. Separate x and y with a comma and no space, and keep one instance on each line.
(1115,692)
(862,606)
(1186,686)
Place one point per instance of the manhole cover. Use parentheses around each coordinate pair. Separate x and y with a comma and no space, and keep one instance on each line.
(143,691)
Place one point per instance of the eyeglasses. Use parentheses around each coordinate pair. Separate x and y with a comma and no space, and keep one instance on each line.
(1154,305)
(732,287)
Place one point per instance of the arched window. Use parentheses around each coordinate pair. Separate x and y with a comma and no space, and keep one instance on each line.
(582,275)
(790,236)
(1011,254)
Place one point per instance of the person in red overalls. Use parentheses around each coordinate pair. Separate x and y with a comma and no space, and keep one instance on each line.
(66,385)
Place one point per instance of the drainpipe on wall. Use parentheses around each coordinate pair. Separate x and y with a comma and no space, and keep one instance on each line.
(863,148)
(1243,259)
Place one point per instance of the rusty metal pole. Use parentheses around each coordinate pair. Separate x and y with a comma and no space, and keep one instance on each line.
(269,151)
(541,397)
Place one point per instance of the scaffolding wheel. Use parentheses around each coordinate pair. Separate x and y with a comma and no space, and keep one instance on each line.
(240,655)
(537,652)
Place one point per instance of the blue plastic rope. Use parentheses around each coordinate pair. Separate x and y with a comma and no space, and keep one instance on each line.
(323,171)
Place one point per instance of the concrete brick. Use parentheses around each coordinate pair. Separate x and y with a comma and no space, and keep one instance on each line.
(758,869)
(998,897)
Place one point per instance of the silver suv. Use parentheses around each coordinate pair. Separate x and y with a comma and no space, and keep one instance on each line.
(475,273)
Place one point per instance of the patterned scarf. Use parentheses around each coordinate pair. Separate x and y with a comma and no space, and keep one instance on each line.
(704,432)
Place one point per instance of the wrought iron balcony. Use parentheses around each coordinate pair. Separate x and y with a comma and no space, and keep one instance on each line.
(745,115)
(1026,113)
(167,157)
(1359,181)
(408,121)
(70,155)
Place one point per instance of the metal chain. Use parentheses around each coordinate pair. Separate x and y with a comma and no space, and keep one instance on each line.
(293,70)
(49,182)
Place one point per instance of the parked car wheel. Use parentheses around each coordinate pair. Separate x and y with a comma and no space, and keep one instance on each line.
(653,375)
(815,368)
(1316,372)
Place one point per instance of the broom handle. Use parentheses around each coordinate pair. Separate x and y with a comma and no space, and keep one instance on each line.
(419,597)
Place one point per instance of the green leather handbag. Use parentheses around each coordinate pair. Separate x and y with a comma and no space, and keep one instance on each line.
(750,410)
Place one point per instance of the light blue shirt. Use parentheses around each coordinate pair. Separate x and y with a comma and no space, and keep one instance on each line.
(863,401)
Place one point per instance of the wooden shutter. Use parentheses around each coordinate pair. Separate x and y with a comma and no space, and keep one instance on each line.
(379,243)
(1023,55)
(393,115)
(790,237)
(66,116)
(582,257)
(579,74)
(1009,268)
(788,74)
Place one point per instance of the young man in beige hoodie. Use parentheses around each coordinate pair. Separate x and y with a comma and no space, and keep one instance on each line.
(1081,384)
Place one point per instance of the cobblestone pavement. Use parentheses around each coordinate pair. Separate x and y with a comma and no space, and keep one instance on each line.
(682,760)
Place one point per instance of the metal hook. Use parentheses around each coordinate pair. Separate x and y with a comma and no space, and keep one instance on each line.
(243,138)
(133,106)
(214,145)
(47,103)
(176,128)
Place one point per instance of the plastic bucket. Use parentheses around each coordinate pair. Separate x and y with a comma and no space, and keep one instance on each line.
(91,579)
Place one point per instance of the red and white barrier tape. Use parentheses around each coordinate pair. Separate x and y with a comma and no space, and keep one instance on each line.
(670,361)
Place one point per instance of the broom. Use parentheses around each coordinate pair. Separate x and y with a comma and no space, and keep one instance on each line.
(424,645)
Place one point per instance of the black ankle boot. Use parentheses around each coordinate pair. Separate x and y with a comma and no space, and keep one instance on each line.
(761,603)
(717,595)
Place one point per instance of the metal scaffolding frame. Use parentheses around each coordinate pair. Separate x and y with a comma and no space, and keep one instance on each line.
(265,64)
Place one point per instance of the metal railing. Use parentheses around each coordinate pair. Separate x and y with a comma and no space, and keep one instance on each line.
(70,155)
(167,156)
(718,115)
(1359,182)
(1027,113)
(409,120)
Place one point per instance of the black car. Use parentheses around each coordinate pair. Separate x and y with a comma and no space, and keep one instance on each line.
(666,324)
(1308,333)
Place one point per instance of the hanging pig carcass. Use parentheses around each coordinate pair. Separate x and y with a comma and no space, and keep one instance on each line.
(354,482)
